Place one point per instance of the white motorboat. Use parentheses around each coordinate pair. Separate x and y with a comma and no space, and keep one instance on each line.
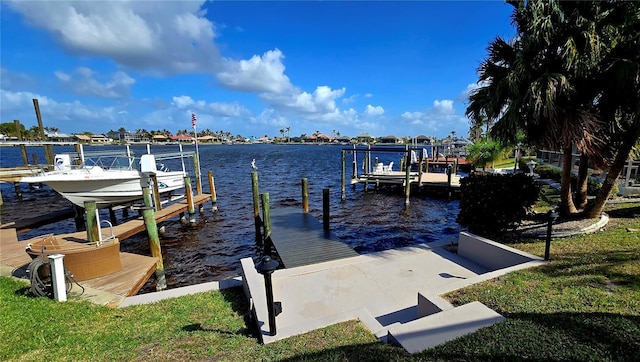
(108,178)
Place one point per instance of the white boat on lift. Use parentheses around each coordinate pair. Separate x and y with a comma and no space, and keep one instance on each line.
(109,178)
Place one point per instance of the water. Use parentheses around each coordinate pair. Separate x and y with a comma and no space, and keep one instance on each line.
(367,221)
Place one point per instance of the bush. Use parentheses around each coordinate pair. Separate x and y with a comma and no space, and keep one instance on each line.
(594,185)
(493,203)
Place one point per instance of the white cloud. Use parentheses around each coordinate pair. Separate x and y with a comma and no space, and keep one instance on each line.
(441,118)
(11,80)
(368,95)
(75,115)
(374,111)
(260,74)
(84,83)
(165,37)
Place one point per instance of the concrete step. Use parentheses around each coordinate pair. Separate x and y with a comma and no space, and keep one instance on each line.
(432,330)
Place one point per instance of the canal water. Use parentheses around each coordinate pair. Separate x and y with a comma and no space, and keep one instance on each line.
(367,221)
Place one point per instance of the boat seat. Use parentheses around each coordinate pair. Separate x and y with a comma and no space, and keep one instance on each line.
(379,168)
(389,168)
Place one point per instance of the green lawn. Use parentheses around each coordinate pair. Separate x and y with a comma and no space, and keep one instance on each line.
(584,305)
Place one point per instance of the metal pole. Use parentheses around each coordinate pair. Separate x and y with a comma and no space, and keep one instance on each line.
(551,217)
(325,209)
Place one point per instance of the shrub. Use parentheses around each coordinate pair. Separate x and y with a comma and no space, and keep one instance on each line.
(493,203)
(594,185)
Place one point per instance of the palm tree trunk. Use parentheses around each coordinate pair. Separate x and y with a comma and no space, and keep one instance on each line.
(566,200)
(630,139)
(581,188)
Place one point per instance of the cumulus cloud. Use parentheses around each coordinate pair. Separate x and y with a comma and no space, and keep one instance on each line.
(214,109)
(166,37)
(259,74)
(374,111)
(83,82)
(19,105)
(441,118)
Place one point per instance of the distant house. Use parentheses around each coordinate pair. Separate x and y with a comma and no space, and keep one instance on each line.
(159,138)
(364,138)
(181,138)
(319,138)
(100,138)
(58,137)
(207,139)
(83,138)
(422,139)
(389,140)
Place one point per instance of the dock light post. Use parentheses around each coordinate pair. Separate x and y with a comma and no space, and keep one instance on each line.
(532,164)
(266,267)
(552,216)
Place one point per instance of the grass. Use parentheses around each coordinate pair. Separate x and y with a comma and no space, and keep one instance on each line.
(584,305)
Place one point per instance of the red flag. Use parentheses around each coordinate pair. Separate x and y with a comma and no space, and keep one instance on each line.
(194,120)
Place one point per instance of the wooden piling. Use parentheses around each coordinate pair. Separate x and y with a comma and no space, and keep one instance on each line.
(325,209)
(266,221)
(112,216)
(154,245)
(305,195)
(212,189)
(79,218)
(256,207)
(156,192)
(342,182)
(23,148)
(407,179)
(191,208)
(48,149)
(91,212)
(196,167)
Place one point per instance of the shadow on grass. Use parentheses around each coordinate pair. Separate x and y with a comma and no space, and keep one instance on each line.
(523,336)
(624,212)
(236,298)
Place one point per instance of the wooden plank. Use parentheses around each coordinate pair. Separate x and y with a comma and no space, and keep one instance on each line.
(136,269)
(300,239)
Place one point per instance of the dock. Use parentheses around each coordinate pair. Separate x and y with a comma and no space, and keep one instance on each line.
(429,179)
(136,269)
(300,239)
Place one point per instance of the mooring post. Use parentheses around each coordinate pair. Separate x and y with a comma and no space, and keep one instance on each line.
(325,209)
(190,205)
(79,218)
(112,216)
(342,182)
(196,166)
(23,148)
(48,149)
(455,166)
(449,171)
(420,169)
(91,211)
(266,220)
(156,192)
(407,179)
(154,245)
(256,207)
(212,189)
(16,186)
(305,195)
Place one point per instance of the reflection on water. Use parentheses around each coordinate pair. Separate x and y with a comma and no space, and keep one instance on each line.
(367,221)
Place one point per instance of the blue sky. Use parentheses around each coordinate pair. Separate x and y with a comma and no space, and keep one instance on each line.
(249,68)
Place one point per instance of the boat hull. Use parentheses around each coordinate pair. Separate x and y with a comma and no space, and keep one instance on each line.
(106,188)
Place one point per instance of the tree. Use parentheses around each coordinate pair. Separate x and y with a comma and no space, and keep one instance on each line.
(542,82)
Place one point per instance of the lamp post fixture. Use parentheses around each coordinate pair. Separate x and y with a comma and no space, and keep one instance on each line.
(552,216)
(532,164)
(266,267)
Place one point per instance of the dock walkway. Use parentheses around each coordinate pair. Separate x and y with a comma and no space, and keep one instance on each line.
(300,239)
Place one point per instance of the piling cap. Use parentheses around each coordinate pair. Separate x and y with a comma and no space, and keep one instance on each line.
(267,265)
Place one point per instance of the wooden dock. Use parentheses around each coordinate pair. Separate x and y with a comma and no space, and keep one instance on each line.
(136,269)
(428,179)
(300,239)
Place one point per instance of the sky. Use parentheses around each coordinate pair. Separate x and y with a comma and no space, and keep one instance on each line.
(402,68)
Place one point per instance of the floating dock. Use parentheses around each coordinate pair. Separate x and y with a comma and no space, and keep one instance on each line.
(300,239)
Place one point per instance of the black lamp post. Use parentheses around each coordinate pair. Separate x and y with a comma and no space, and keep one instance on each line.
(266,267)
(552,216)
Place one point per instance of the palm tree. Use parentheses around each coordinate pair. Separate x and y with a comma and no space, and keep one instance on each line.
(542,83)
(288,129)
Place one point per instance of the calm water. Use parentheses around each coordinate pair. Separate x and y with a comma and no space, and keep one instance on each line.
(367,221)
